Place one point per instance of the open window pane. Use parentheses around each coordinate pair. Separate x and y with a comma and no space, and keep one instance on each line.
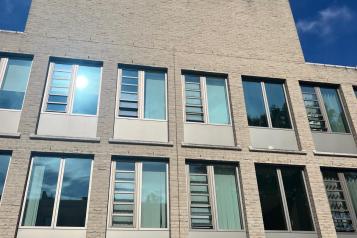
(334,110)
(279,112)
(193,97)
(228,205)
(13,88)
(86,92)
(270,198)
(217,101)
(297,201)
(41,192)
(351,180)
(154,195)
(254,104)
(155,95)
(74,194)
(4,165)
(128,103)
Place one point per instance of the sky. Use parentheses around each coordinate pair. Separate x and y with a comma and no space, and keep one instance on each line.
(327,30)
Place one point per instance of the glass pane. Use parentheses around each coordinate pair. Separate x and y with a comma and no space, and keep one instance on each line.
(122,221)
(155,96)
(129,97)
(351,179)
(124,187)
(63,68)
(217,100)
(334,110)
(198,169)
(278,107)
(126,80)
(124,197)
(123,208)
(201,211)
(14,84)
(296,197)
(59,91)
(74,194)
(199,188)
(56,107)
(130,73)
(128,113)
(254,104)
(57,99)
(154,195)
(227,198)
(270,198)
(41,192)
(128,105)
(198,179)
(86,90)
(60,83)
(4,165)
(125,166)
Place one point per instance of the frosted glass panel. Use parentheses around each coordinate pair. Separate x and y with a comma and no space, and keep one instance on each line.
(217,101)
(155,96)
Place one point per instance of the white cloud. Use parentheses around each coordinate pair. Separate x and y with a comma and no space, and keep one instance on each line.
(326,20)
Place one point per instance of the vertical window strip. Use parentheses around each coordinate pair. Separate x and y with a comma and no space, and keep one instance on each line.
(194,99)
(129,93)
(4,167)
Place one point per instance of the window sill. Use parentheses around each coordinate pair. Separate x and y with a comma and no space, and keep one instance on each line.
(12,32)
(321,153)
(135,142)
(220,147)
(10,135)
(63,138)
(297,152)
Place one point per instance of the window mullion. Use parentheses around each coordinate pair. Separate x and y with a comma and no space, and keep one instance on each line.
(283,197)
(70,99)
(3,64)
(288,105)
(204,99)
(141,94)
(58,193)
(348,200)
(308,198)
(266,105)
(239,190)
(212,197)
(137,192)
(322,108)
(112,186)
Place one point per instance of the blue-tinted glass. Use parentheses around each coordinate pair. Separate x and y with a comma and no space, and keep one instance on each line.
(278,107)
(13,14)
(87,90)
(217,100)
(155,95)
(59,91)
(14,84)
(74,193)
(59,99)
(130,73)
(41,192)
(4,165)
(254,104)
(334,110)
(56,107)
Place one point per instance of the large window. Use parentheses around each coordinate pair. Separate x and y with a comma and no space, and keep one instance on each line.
(142,93)
(4,166)
(283,198)
(341,189)
(14,75)
(206,99)
(324,109)
(57,192)
(214,197)
(139,194)
(266,103)
(73,88)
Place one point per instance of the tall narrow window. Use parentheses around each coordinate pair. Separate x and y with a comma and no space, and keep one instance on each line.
(142,94)
(57,193)
(14,75)
(266,103)
(139,195)
(324,109)
(206,99)
(284,198)
(214,197)
(73,88)
(341,189)
(4,166)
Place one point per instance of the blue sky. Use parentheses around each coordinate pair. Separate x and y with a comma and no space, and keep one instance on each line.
(13,14)
(327,30)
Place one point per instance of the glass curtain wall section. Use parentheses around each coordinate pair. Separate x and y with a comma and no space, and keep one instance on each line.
(73,88)
(214,197)
(266,103)
(139,194)
(14,76)
(57,192)
(142,93)
(341,189)
(206,99)
(4,166)
(283,198)
(324,109)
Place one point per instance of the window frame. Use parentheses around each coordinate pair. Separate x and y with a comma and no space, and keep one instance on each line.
(285,203)
(3,67)
(141,93)
(212,195)
(262,82)
(6,175)
(71,91)
(204,98)
(138,165)
(57,196)
(321,102)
